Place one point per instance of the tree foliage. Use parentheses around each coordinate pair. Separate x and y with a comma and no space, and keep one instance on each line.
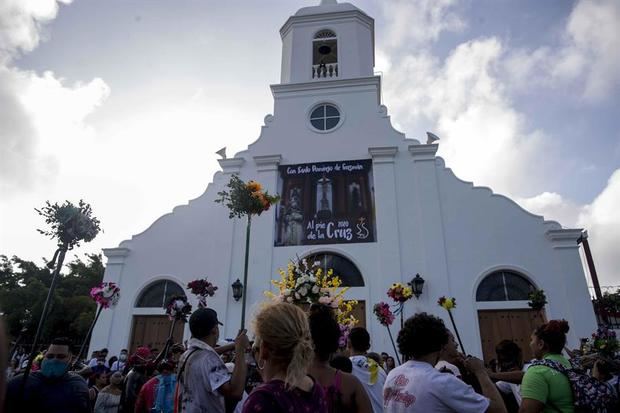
(24,286)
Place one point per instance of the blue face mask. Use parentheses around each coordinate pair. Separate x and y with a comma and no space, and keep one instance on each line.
(53,368)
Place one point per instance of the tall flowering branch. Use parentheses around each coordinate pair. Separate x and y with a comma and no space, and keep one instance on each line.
(449,304)
(245,199)
(386,318)
(69,225)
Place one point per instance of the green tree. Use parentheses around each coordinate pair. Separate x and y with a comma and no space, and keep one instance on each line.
(23,289)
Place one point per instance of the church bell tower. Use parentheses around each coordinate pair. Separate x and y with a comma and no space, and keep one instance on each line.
(331,41)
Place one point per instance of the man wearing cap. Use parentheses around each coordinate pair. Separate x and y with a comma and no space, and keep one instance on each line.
(204,381)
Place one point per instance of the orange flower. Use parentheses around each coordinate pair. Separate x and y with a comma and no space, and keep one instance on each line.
(254,186)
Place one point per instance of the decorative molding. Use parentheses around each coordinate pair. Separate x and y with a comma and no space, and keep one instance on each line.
(423,152)
(564,238)
(325,85)
(116,255)
(351,15)
(231,165)
(383,154)
(267,162)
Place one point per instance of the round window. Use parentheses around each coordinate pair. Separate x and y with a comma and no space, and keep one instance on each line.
(325,117)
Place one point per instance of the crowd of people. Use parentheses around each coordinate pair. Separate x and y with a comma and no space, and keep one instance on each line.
(295,364)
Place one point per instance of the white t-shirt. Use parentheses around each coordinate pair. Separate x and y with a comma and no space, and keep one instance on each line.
(508,388)
(441,364)
(362,370)
(204,374)
(416,387)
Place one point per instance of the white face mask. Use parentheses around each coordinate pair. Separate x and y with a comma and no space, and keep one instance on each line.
(122,357)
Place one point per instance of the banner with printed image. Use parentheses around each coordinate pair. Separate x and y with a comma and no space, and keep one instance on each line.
(325,203)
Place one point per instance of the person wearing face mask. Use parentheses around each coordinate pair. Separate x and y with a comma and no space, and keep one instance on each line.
(109,399)
(119,365)
(52,389)
(417,387)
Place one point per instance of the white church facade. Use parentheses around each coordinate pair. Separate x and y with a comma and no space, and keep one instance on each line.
(360,197)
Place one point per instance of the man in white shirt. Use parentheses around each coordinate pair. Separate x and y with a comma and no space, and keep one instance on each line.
(417,387)
(205,385)
(367,370)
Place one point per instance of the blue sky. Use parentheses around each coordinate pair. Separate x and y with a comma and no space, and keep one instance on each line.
(123,103)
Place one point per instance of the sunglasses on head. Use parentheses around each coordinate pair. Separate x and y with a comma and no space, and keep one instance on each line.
(56,356)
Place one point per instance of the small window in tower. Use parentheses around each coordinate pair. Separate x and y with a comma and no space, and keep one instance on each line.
(325,117)
(325,55)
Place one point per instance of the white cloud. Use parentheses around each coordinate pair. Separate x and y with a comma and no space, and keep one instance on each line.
(41,116)
(602,221)
(554,207)
(588,56)
(20,24)
(415,23)
(483,138)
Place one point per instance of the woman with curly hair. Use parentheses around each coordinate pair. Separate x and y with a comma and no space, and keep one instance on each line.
(417,387)
(284,353)
(545,389)
(344,391)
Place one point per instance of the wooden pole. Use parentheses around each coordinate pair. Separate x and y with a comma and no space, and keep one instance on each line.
(48,301)
(457,332)
(87,338)
(393,345)
(245,270)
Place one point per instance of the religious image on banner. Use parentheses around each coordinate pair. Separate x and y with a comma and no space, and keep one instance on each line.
(325,203)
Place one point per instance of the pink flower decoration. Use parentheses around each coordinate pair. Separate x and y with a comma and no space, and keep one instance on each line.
(106,294)
(383,313)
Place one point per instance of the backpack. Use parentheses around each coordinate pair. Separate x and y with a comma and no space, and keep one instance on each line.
(589,394)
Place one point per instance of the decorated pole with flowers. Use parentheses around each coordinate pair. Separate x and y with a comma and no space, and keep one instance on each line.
(448,304)
(400,294)
(245,199)
(177,309)
(69,225)
(106,295)
(386,318)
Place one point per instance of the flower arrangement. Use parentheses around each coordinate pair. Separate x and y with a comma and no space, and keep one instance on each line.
(69,224)
(399,292)
(383,313)
(449,304)
(538,300)
(246,198)
(178,308)
(603,341)
(304,283)
(202,288)
(106,294)
(385,316)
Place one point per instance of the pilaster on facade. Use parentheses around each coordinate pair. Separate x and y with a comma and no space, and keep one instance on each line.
(116,255)
(232,165)
(423,152)
(383,154)
(564,238)
(265,163)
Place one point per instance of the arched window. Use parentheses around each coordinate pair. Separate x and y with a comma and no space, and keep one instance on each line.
(504,285)
(158,293)
(343,268)
(324,54)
